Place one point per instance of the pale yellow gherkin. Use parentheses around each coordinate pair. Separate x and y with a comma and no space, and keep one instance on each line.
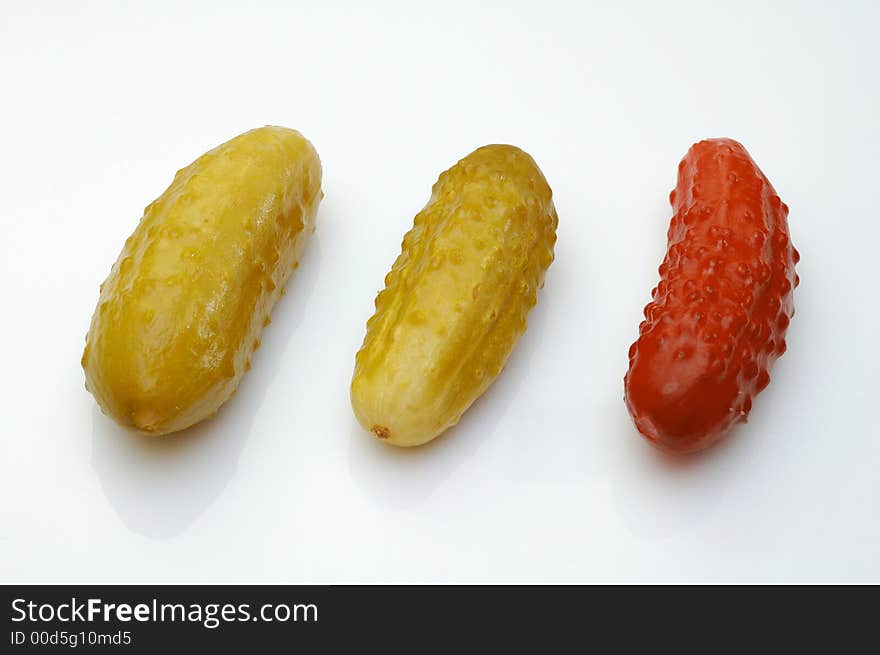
(181,312)
(456,299)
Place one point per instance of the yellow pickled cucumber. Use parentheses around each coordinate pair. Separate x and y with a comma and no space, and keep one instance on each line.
(456,299)
(181,312)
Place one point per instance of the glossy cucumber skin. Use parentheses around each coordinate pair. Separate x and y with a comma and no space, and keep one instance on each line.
(719,314)
(456,299)
(181,312)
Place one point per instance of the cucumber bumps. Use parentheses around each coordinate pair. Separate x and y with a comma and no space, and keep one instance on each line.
(181,313)
(456,299)
(719,314)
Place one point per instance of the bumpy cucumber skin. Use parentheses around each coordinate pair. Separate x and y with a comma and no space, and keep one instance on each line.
(180,314)
(456,299)
(719,315)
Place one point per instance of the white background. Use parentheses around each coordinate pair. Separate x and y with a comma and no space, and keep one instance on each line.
(545,479)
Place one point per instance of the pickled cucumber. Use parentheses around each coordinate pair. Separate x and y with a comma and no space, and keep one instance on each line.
(456,299)
(181,312)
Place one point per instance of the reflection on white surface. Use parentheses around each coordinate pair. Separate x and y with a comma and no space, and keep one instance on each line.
(160,485)
(648,483)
